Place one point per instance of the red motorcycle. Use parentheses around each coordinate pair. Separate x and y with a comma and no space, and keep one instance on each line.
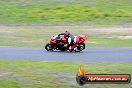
(59,44)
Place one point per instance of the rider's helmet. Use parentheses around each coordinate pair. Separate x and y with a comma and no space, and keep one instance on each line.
(66,33)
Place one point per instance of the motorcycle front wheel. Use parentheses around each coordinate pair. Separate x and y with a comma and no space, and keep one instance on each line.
(80,47)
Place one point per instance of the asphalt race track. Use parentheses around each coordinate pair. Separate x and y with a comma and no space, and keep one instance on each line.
(89,54)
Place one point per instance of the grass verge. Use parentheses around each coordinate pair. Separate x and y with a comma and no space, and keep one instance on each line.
(38,37)
(49,11)
(44,74)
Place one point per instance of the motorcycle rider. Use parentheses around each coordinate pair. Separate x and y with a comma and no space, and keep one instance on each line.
(65,34)
(74,44)
(68,40)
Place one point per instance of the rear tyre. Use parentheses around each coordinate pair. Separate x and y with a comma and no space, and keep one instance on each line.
(48,47)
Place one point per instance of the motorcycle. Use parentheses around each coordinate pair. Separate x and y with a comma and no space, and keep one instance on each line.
(59,44)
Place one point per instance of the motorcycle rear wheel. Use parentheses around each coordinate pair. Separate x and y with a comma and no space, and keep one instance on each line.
(48,47)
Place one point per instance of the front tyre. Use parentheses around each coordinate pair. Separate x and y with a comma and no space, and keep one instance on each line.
(48,47)
(80,47)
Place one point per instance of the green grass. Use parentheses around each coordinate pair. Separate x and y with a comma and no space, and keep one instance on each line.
(108,42)
(38,37)
(49,11)
(43,74)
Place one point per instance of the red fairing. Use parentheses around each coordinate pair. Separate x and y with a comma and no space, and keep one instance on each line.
(81,39)
(52,40)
